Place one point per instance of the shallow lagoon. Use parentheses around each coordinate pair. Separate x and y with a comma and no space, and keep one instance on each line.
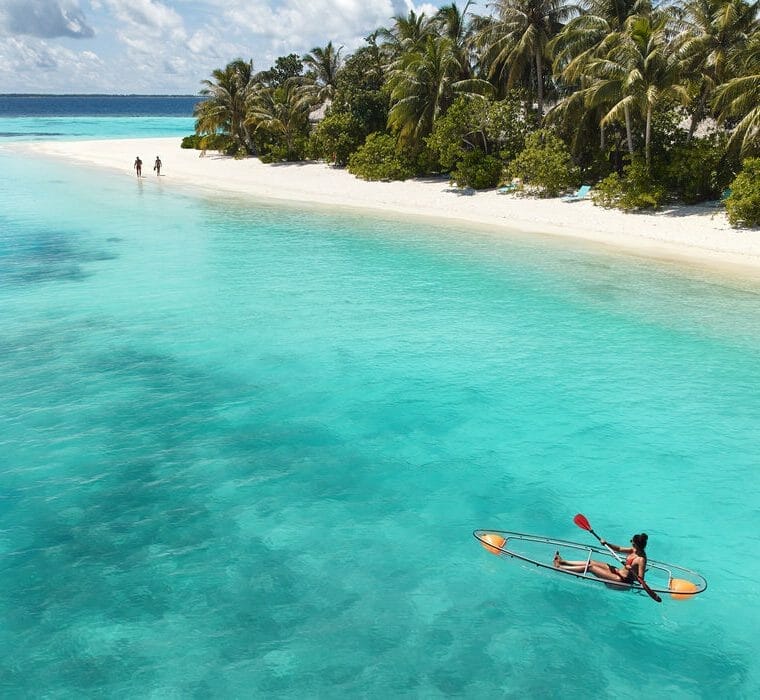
(243,448)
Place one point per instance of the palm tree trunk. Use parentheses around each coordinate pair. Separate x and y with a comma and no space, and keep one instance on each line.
(697,116)
(249,141)
(289,144)
(540,84)
(602,139)
(236,127)
(628,129)
(648,134)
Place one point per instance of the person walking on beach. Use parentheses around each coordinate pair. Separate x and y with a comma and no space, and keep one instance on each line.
(157,166)
(138,166)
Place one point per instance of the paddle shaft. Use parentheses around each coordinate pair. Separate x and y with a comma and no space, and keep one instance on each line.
(649,591)
(604,544)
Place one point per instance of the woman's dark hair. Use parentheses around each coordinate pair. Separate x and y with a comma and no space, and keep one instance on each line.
(640,541)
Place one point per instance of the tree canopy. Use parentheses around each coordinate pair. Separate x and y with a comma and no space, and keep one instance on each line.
(618,81)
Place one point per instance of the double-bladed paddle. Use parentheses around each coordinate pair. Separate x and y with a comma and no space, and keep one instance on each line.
(581,521)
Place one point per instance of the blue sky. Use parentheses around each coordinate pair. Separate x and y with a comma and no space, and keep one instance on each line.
(169,46)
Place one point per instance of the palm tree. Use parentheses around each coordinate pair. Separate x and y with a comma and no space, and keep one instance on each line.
(421,84)
(713,33)
(636,73)
(282,111)
(407,34)
(516,41)
(224,111)
(738,99)
(583,34)
(324,64)
(573,49)
(458,27)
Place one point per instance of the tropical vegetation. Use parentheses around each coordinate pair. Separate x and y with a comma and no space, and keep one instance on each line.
(651,102)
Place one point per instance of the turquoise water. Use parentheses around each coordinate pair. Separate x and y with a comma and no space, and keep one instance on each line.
(243,449)
(55,128)
(77,117)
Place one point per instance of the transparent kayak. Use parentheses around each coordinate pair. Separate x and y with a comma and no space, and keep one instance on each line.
(677,581)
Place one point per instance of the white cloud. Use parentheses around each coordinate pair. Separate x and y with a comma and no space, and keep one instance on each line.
(154,41)
(46,19)
(167,46)
(304,23)
(148,27)
(277,27)
(49,63)
(175,66)
(151,15)
(204,43)
(427,9)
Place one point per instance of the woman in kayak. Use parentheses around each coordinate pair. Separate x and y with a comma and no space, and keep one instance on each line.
(634,567)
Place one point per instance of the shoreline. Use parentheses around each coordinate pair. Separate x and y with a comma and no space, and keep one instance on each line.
(696,234)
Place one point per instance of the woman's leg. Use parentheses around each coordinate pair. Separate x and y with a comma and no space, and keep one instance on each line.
(575,566)
(597,568)
(606,572)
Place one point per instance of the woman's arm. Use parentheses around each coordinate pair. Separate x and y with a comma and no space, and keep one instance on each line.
(616,547)
(641,567)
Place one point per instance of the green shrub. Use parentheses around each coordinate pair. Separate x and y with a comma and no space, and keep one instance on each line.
(210,142)
(335,138)
(598,165)
(380,159)
(693,172)
(481,127)
(477,170)
(425,161)
(446,140)
(275,153)
(276,150)
(192,141)
(545,163)
(508,123)
(743,206)
(636,189)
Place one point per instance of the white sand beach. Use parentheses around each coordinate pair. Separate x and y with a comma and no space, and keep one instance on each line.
(695,234)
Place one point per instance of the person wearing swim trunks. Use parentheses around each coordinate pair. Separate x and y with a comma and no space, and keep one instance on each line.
(138,166)
(634,567)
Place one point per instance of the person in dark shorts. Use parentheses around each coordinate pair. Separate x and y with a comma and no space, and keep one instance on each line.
(138,166)
(157,166)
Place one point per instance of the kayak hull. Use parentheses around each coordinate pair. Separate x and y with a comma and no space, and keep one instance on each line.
(676,581)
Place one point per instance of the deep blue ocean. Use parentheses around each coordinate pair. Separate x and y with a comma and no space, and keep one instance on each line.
(243,448)
(52,117)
